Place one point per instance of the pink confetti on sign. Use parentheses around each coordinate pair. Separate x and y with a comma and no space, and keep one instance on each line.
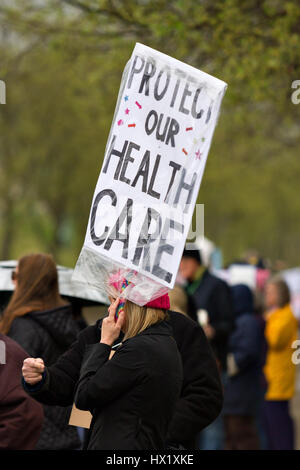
(120,122)
(127,111)
(189,129)
(198,155)
(131,125)
(138,104)
(184,151)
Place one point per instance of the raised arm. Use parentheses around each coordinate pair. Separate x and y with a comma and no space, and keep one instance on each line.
(57,385)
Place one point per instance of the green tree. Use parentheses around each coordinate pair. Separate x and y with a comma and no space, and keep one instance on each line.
(65,60)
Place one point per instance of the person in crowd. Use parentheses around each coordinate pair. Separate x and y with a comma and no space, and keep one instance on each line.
(280,332)
(120,390)
(40,321)
(244,369)
(125,389)
(211,295)
(210,303)
(201,397)
(21,417)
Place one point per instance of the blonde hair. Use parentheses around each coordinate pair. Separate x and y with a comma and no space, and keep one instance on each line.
(137,318)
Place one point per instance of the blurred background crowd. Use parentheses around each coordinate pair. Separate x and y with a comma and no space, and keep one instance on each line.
(248,311)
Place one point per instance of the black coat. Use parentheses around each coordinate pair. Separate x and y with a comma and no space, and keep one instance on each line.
(48,335)
(201,395)
(21,417)
(213,295)
(131,397)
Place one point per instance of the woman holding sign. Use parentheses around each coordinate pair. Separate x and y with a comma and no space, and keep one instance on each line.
(121,390)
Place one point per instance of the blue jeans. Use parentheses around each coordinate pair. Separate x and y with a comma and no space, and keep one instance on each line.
(212,437)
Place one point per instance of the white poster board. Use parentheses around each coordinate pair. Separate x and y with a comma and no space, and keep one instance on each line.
(154,162)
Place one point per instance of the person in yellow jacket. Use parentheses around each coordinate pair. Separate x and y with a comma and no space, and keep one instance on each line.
(280,332)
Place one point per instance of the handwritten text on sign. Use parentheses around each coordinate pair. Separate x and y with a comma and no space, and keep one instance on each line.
(154,162)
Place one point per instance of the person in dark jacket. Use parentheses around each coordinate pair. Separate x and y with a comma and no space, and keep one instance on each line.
(244,368)
(210,304)
(121,389)
(211,296)
(21,417)
(201,395)
(40,321)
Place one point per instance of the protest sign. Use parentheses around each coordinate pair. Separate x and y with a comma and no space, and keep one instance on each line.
(153,165)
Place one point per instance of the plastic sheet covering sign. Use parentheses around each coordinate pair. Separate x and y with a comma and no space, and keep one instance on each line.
(154,160)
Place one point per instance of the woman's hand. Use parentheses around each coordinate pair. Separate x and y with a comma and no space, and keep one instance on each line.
(32,370)
(110,329)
